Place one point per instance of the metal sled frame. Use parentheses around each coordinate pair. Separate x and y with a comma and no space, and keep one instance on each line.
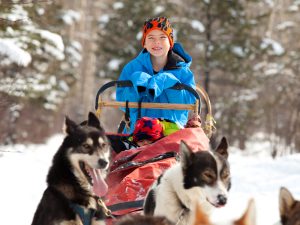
(209,122)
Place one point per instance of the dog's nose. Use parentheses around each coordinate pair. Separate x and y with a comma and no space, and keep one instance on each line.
(102,163)
(222,200)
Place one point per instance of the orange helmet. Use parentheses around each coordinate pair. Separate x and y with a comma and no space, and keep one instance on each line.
(158,23)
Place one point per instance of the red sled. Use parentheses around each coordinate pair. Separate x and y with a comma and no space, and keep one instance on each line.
(134,171)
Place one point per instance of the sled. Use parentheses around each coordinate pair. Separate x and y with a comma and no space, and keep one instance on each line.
(133,171)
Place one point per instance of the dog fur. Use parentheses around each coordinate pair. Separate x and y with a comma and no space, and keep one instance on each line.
(144,220)
(248,218)
(199,218)
(80,164)
(200,178)
(289,208)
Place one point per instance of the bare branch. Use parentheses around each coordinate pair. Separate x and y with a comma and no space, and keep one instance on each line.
(23,2)
(11,22)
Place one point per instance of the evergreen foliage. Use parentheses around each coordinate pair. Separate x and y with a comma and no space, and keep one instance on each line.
(245,53)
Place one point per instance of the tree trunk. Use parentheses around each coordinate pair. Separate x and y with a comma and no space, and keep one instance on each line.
(81,98)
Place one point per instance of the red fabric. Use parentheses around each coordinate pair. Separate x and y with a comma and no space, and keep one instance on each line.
(130,182)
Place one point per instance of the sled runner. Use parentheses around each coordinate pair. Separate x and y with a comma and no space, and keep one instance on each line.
(133,171)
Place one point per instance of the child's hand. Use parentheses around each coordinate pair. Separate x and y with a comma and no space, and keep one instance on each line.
(193,122)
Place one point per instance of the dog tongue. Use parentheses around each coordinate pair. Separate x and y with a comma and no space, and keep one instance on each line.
(99,186)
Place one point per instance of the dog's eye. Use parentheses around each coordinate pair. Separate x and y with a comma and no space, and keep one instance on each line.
(208,176)
(85,145)
(103,145)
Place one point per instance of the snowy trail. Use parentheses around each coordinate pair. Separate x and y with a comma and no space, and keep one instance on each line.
(23,171)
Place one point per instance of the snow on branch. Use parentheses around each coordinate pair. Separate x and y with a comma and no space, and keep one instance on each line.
(14,53)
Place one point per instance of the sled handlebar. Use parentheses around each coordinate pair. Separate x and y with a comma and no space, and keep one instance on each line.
(208,125)
(128,83)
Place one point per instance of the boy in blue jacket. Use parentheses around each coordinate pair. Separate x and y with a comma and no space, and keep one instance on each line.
(159,66)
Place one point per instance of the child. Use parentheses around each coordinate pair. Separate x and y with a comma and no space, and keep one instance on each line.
(148,130)
(159,66)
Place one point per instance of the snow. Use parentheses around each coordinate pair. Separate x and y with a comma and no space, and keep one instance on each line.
(118,5)
(14,53)
(285,25)
(270,3)
(70,16)
(114,64)
(17,13)
(238,51)
(255,174)
(104,19)
(295,6)
(54,38)
(197,25)
(277,48)
(159,9)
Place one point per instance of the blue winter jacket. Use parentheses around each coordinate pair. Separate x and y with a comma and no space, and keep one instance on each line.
(149,86)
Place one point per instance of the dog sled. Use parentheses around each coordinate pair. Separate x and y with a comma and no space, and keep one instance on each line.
(133,171)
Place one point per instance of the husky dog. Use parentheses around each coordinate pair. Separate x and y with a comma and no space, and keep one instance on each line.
(76,178)
(201,177)
(248,218)
(289,208)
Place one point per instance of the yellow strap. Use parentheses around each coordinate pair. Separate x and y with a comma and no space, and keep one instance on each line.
(98,112)
(209,125)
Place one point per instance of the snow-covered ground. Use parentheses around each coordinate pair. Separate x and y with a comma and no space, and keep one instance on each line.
(23,170)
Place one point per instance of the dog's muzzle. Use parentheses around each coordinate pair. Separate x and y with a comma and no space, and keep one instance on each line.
(102,163)
(222,200)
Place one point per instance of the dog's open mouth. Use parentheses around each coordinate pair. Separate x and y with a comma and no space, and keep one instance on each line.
(95,178)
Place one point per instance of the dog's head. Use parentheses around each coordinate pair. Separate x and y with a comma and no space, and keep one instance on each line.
(208,170)
(88,153)
(289,208)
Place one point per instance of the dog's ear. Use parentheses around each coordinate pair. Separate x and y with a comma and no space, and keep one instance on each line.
(93,121)
(286,201)
(222,148)
(69,126)
(249,217)
(185,154)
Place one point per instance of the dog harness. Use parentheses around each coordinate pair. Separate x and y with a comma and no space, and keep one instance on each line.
(86,217)
(183,212)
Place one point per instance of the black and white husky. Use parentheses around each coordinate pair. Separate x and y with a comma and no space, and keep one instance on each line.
(200,178)
(76,177)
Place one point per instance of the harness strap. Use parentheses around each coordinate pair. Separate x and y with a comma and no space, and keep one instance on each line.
(139,109)
(127,113)
(126,121)
(182,213)
(121,126)
(127,116)
(86,217)
(127,205)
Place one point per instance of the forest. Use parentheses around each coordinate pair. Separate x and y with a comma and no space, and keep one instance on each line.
(54,55)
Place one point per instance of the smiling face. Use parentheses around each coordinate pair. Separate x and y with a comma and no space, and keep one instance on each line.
(157,43)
